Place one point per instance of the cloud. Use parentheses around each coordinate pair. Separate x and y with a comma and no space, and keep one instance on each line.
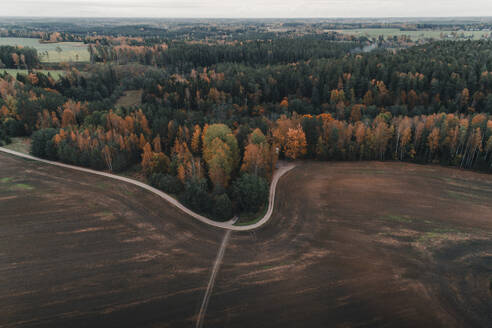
(245,8)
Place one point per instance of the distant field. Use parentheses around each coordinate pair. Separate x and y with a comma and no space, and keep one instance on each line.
(415,35)
(52,52)
(54,73)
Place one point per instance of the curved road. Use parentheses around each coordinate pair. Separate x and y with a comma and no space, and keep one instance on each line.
(228,225)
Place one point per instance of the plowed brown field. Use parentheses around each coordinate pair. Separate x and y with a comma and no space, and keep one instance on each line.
(349,244)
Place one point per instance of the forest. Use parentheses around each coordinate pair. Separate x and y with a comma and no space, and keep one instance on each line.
(15,57)
(215,117)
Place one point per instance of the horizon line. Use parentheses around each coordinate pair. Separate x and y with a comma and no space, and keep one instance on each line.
(251,17)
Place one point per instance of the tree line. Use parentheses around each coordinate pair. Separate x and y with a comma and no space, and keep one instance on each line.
(15,57)
(438,77)
(212,135)
(184,56)
(208,171)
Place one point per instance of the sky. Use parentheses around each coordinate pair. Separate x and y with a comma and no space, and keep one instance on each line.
(246,8)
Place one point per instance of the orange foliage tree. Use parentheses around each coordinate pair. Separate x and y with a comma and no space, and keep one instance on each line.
(296,145)
(259,156)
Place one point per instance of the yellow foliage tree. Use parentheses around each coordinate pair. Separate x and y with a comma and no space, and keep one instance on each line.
(296,145)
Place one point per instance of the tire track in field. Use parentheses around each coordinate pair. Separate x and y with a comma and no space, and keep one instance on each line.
(211,281)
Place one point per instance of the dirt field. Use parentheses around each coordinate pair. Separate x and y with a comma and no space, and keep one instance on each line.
(349,244)
(364,244)
(80,251)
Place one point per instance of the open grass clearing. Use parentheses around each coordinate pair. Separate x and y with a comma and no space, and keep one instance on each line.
(20,144)
(130,98)
(52,52)
(56,74)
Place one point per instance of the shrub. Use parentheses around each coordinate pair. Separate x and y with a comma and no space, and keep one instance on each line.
(195,195)
(14,128)
(170,184)
(4,137)
(251,192)
(42,144)
(155,163)
(222,207)
(154,180)
(166,182)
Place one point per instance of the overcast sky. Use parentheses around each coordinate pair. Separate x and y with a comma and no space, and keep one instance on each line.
(246,8)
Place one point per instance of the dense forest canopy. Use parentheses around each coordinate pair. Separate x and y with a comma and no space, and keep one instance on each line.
(212,117)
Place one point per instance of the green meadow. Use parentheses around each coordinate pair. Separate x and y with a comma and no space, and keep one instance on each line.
(52,52)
